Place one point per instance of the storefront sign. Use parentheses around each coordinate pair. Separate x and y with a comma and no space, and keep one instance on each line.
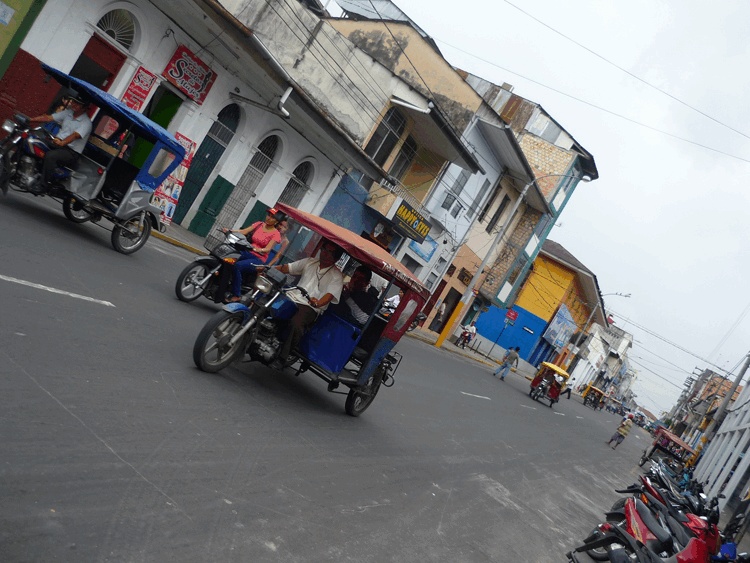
(190,74)
(139,88)
(165,197)
(411,223)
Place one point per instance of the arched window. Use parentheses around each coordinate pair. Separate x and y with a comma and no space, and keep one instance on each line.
(263,157)
(120,26)
(297,185)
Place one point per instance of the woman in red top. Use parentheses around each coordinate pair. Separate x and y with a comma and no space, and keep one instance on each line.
(264,237)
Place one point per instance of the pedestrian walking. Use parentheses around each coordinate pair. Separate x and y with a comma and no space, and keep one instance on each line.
(510,359)
(566,389)
(621,431)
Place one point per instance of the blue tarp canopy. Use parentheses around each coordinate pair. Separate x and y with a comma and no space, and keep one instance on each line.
(140,124)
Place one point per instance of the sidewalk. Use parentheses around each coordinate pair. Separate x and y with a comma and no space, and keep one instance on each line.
(180,236)
(481,350)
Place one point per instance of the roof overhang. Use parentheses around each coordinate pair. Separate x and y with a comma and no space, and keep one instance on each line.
(503,142)
(433,131)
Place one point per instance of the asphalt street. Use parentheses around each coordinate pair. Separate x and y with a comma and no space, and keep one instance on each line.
(114,447)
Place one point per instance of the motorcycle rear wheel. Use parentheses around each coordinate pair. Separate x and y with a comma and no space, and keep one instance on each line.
(599,553)
(184,287)
(212,350)
(74,211)
(360,398)
(131,236)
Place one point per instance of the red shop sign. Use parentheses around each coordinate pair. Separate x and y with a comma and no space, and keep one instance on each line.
(139,88)
(190,74)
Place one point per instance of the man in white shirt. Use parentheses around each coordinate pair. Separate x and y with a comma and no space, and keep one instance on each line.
(75,128)
(323,282)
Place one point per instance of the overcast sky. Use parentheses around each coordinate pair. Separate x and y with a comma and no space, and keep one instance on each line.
(666,220)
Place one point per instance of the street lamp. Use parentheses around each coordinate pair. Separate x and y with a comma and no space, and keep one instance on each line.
(466,297)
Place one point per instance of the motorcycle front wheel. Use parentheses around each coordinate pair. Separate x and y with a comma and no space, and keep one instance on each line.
(74,210)
(186,287)
(213,350)
(132,235)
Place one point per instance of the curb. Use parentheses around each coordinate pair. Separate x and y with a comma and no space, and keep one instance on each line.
(179,243)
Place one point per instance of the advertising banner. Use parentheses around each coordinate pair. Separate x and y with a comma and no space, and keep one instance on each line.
(190,74)
(139,88)
(165,197)
(560,328)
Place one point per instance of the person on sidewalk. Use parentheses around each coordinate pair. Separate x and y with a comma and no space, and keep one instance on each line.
(510,359)
(437,323)
(621,431)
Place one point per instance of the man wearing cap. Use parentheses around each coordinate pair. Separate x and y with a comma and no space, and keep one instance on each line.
(75,128)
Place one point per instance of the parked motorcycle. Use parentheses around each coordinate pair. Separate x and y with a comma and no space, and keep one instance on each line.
(211,275)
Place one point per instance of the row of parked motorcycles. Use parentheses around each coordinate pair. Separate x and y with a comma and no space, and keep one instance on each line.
(664,519)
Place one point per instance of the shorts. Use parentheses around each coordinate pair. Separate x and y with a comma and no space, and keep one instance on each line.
(617,437)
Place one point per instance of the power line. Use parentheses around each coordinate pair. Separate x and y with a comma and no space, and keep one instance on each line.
(626,71)
(593,105)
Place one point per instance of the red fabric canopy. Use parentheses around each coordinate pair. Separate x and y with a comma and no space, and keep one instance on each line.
(674,438)
(361,249)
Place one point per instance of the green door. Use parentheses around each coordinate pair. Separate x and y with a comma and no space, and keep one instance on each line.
(206,158)
(161,109)
(210,206)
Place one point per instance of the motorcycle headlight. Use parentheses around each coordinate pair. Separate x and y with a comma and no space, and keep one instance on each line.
(263,284)
(9,126)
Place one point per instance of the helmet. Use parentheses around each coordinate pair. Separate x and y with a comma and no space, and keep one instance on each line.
(630,416)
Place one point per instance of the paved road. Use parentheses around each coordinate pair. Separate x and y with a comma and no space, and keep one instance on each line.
(113,447)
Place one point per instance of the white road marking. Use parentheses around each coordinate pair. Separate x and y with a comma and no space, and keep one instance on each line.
(560,413)
(477,396)
(528,407)
(579,417)
(55,290)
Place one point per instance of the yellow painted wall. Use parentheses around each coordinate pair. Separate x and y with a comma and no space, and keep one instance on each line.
(546,287)
(7,32)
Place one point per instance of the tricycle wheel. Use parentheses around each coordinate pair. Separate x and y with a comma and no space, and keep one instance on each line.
(131,236)
(185,288)
(75,211)
(360,398)
(643,460)
(212,350)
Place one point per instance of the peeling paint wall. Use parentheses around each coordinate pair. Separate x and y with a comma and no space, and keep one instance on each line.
(406,49)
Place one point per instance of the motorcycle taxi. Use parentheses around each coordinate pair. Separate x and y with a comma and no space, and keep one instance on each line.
(108,182)
(548,383)
(362,359)
(593,397)
(667,447)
